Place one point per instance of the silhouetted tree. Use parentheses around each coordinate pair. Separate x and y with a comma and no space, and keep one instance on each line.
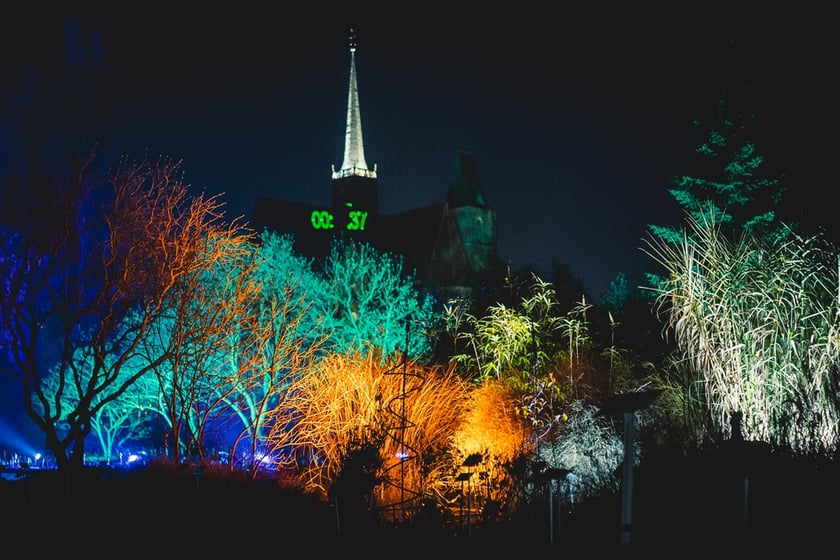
(727,181)
(124,420)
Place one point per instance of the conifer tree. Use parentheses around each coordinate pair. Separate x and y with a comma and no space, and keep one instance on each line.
(727,183)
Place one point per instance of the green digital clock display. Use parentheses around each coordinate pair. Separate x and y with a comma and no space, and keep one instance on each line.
(324,219)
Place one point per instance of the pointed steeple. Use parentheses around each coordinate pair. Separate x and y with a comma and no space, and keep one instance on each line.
(354,150)
(465,187)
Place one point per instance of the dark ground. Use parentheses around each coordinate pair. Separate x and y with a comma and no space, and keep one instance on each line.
(693,506)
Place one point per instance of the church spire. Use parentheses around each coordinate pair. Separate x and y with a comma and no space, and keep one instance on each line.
(354,151)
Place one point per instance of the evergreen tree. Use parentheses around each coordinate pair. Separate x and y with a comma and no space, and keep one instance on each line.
(727,183)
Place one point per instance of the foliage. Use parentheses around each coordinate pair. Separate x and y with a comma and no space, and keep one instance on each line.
(755,322)
(490,425)
(625,290)
(728,185)
(491,431)
(675,424)
(500,343)
(152,281)
(410,411)
(358,473)
(587,445)
(510,342)
(618,292)
(366,301)
(546,355)
(554,374)
(727,181)
(574,328)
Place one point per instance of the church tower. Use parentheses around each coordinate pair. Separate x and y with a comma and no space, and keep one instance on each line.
(354,186)
(475,219)
(450,245)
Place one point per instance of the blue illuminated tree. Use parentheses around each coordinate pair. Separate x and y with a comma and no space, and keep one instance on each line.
(93,266)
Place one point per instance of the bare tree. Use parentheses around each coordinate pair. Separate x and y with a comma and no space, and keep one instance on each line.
(369,301)
(95,266)
(121,421)
(216,336)
(283,344)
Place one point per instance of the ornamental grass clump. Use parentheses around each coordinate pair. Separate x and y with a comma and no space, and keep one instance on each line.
(756,322)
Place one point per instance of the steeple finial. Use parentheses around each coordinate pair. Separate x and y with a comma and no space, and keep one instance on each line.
(352,40)
(354,151)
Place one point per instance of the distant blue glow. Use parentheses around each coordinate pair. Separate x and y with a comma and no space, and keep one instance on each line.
(11,439)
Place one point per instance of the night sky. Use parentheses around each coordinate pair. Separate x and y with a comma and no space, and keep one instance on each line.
(577,118)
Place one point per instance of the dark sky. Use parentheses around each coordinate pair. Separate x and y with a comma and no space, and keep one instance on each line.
(576,118)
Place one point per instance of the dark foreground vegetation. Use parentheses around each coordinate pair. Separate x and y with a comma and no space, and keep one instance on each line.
(718,502)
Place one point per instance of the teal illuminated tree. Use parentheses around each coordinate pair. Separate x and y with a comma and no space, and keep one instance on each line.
(368,301)
(212,340)
(291,340)
(282,270)
(128,423)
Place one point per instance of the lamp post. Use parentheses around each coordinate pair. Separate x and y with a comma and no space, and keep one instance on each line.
(554,476)
(471,461)
(628,403)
